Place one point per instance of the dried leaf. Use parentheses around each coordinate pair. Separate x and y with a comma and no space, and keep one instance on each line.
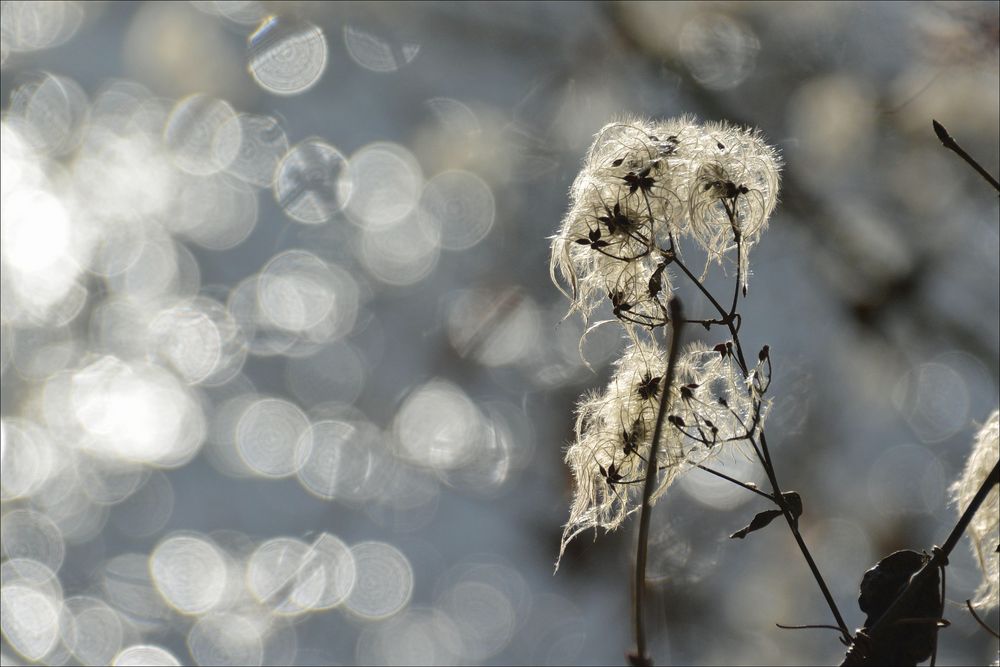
(758,522)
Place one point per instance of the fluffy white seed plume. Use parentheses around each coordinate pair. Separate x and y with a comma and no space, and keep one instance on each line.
(630,195)
(735,189)
(614,430)
(984,530)
(712,408)
(645,185)
(717,406)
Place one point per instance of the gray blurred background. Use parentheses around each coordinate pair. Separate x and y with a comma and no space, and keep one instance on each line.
(285,380)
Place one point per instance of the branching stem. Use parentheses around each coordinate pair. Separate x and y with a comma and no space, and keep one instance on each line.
(763,453)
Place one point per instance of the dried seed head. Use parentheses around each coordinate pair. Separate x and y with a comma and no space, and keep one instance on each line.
(734,191)
(984,530)
(614,427)
(645,185)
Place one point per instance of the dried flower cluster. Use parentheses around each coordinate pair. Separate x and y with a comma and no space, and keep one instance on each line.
(645,188)
(984,530)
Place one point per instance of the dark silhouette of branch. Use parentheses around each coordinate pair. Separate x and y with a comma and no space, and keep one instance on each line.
(952,145)
(641,657)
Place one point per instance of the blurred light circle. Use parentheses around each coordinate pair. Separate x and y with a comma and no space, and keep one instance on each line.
(34,536)
(403,254)
(189,340)
(120,325)
(129,588)
(54,108)
(217,212)
(292,577)
(200,340)
(495,327)
(281,642)
(191,132)
(91,630)
(223,453)
(79,518)
(386,180)
(337,460)
(296,290)
(720,52)
(262,336)
(29,620)
(142,655)
(335,373)
(417,637)
(334,559)
(504,579)
(275,576)
(46,352)
(189,572)
(117,249)
(906,479)
(491,460)
(408,499)
(312,182)
(244,12)
(31,26)
(483,615)
(8,336)
(146,512)
(438,426)
(461,205)
(108,482)
(31,574)
(36,230)
(226,639)
(934,399)
(376,54)
(157,271)
(455,117)
(716,492)
(26,458)
(384,581)
(286,57)
(254,150)
(268,434)
(136,413)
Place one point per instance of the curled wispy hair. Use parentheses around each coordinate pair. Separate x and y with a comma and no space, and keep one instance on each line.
(646,185)
(718,406)
(734,190)
(627,201)
(614,431)
(984,529)
(712,408)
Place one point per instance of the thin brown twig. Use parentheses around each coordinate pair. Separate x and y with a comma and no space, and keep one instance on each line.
(816,626)
(753,488)
(641,657)
(952,145)
(980,621)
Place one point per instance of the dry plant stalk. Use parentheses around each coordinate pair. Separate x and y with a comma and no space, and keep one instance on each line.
(647,189)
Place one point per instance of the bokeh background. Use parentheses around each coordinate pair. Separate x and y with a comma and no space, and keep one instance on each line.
(285,380)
